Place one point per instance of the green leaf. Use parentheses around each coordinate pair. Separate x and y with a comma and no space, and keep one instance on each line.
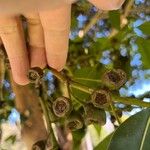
(103,145)
(143,47)
(97,128)
(145,27)
(114,17)
(133,134)
(77,138)
(89,76)
(122,62)
(100,45)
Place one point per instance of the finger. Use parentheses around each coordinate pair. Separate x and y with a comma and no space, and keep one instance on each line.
(56,25)
(36,41)
(12,36)
(107,5)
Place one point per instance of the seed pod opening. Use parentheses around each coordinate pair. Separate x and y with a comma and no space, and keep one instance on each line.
(2,103)
(35,74)
(40,145)
(112,118)
(114,79)
(62,106)
(74,122)
(94,115)
(101,98)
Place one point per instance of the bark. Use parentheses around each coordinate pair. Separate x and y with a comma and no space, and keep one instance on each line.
(27,103)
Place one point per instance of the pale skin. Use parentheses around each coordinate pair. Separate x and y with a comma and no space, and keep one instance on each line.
(48,24)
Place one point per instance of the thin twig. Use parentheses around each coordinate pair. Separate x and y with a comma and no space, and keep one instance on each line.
(130,101)
(114,113)
(47,113)
(104,14)
(77,99)
(127,9)
(86,79)
(93,21)
(123,18)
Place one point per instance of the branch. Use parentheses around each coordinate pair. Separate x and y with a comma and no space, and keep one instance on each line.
(139,9)
(115,98)
(93,21)
(130,101)
(48,116)
(104,14)
(127,9)
(114,113)
(33,128)
(123,18)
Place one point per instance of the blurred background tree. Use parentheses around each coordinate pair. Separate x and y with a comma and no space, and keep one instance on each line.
(99,41)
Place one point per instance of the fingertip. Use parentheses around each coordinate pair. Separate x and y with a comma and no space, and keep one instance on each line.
(56,66)
(58,62)
(106,5)
(20,68)
(20,76)
(21,80)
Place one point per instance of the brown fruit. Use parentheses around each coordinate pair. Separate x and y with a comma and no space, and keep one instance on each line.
(62,106)
(74,121)
(35,74)
(94,115)
(100,98)
(114,79)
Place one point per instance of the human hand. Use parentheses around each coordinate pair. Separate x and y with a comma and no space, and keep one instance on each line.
(48,33)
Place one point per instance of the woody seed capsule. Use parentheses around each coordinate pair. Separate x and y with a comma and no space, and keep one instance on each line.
(100,98)
(35,74)
(61,106)
(94,115)
(114,79)
(74,122)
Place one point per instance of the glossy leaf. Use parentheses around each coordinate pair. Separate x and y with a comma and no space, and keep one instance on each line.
(89,76)
(133,134)
(143,47)
(97,128)
(145,27)
(103,145)
(77,138)
(114,17)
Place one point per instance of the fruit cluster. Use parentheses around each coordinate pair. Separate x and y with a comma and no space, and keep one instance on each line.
(92,111)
